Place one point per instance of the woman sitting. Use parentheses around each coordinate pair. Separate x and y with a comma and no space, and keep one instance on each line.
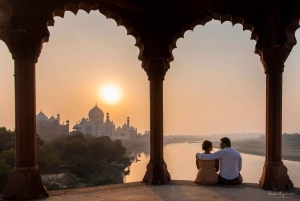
(207,170)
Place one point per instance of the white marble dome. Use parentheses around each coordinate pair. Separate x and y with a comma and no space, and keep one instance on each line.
(96,113)
(52,119)
(41,117)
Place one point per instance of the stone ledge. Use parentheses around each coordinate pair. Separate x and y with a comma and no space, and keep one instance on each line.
(76,191)
(176,190)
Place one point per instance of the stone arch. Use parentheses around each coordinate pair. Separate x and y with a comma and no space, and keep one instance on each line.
(291,29)
(6,13)
(207,18)
(109,14)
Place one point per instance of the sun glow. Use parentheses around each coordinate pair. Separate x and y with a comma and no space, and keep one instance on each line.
(110,93)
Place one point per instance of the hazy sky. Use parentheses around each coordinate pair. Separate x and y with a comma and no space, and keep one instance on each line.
(216,84)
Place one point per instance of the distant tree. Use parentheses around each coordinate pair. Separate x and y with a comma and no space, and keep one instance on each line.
(39,141)
(7,139)
(80,136)
(90,138)
(291,137)
(48,159)
(57,142)
(9,157)
(88,153)
(83,165)
(73,147)
(5,171)
(118,144)
(95,149)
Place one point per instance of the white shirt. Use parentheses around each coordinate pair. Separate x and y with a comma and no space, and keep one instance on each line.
(230,162)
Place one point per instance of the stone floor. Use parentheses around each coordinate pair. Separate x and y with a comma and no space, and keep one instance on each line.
(174,190)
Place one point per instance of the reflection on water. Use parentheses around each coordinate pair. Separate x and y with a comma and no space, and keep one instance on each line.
(180,159)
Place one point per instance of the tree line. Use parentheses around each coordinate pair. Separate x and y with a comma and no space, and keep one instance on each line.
(80,154)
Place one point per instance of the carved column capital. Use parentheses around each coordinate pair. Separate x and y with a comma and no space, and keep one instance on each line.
(273,59)
(23,45)
(155,68)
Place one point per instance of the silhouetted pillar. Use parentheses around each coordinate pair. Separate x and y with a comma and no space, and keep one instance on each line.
(274,174)
(25,181)
(156,172)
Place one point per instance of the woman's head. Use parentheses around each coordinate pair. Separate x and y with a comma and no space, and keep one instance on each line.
(207,145)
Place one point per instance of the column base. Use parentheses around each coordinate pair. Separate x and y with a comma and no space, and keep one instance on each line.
(25,184)
(275,177)
(157,172)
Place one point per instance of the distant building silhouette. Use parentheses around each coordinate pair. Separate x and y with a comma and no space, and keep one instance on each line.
(96,126)
(126,132)
(50,128)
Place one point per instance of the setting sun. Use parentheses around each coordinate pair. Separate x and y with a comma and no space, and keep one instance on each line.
(110,93)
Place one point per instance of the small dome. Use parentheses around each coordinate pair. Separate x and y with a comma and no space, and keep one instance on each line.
(58,115)
(124,126)
(67,121)
(83,120)
(41,117)
(75,127)
(96,113)
(52,119)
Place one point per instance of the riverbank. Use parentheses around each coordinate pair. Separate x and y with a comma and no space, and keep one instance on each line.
(290,149)
(111,174)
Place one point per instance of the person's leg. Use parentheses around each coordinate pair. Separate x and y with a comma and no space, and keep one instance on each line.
(238,180)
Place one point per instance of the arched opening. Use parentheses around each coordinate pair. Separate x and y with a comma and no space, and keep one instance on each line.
(290,113)
(7,120)
(70,74)
(216,85)
(7,88)
(291,96)
(84,53)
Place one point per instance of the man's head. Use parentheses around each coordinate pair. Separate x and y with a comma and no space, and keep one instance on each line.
(225,142)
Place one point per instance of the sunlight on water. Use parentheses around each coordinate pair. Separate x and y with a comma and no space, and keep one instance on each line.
(180,159)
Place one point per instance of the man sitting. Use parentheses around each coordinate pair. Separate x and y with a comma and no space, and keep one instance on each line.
(230,162)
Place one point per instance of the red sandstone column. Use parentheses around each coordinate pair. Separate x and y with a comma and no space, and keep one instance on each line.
(274,176)
(156,172)
(25,181)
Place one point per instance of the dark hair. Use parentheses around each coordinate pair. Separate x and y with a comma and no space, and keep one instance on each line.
(226,140)
(206,145)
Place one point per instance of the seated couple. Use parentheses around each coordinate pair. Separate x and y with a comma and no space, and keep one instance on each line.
(208,164)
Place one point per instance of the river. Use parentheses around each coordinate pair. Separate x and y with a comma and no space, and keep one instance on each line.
(180,160)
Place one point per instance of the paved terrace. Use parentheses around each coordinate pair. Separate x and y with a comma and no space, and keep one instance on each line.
(174,190)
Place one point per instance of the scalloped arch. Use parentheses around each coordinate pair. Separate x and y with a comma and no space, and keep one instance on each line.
(6,13)
(107,13)
(206,19)
(291,29)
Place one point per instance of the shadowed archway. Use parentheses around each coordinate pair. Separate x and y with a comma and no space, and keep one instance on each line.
(156,25)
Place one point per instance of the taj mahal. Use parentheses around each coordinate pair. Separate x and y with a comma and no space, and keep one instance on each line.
(97,126)
(94,125)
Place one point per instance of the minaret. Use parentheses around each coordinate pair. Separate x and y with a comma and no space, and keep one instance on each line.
(128,122)
(107,118)
(58,118)
(67,124)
